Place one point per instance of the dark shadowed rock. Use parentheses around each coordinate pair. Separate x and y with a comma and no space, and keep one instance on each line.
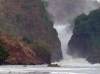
(85,41)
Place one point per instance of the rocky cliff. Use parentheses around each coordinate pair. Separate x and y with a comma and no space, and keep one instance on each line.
(85,41)
(27,18)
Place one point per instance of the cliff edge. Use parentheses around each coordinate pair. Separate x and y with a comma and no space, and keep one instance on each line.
(26,21)
(85,41)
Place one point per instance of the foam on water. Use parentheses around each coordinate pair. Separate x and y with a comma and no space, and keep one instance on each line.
(79,62)
(31,69)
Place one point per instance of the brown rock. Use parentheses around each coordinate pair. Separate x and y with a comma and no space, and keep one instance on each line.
(20,54)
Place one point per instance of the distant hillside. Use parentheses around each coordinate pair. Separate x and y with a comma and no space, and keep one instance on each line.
(26,21)
(85,41)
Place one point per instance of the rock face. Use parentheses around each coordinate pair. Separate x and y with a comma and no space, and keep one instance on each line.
(19,53)
(77,47)
(28,18)
(85,41)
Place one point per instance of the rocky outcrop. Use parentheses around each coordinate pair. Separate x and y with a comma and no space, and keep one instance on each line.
(20,54)
(86,35)
(26,18)
(77,46)
(94,59)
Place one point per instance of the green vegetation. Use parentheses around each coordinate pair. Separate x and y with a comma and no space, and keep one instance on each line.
(3,55)
(29,19)
(88,28)
(42,50)
(25,4)
(19,16)
(26,40)
(52,32)
(53,65)
(13,37)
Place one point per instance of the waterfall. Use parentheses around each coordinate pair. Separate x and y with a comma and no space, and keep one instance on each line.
(64,35)
(64,13)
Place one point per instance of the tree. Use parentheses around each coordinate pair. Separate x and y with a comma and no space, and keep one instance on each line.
(43,50)
(26,40)
(3,54)
(19,16)
(87,27)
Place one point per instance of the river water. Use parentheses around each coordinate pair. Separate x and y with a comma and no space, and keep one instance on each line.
(43,69)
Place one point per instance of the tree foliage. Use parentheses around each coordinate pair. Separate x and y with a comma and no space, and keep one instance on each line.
(42,50)
(3,54)
(26,40)
(29,18)
(88,27)
(19,16)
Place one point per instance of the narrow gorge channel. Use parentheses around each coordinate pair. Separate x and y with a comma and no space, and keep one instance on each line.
(64,13)
(64,35)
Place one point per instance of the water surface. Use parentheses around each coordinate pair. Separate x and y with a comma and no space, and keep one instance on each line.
(43,69)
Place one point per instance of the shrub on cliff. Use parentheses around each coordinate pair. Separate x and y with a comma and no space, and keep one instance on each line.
(19,16)
(43,51)
(26,40)
(3,55)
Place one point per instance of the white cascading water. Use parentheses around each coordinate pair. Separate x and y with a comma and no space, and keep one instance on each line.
(64,32)
(64,35)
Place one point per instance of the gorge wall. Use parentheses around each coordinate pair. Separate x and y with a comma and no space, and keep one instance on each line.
(85,41)
(27,19)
